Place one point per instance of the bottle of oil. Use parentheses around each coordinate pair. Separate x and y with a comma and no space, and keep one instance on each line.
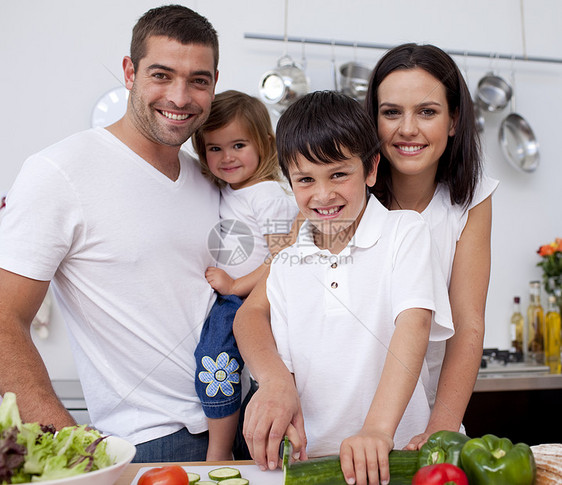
(552,336)
(516,327)
(535,324)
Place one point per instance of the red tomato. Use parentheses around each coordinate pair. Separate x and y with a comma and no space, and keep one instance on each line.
(440,474)
(166,475)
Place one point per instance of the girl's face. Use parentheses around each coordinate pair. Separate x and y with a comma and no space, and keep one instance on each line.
(232,154)
(413,121)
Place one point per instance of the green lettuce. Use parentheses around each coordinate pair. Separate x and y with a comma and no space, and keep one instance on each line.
(32,452)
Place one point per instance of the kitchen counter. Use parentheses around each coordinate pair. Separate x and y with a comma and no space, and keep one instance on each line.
(497,382)
(247,468)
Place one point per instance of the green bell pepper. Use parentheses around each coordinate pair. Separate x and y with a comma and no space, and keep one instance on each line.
(491,460)
(442,447)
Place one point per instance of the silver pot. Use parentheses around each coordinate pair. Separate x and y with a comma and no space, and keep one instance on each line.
(493,93)
(518,143)
(354,80)
(283,85)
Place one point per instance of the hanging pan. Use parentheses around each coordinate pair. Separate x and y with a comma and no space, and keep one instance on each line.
(518,142)
(493,93)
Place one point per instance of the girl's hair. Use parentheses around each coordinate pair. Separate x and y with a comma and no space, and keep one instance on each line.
(460,165)
(233,105)
(321,126)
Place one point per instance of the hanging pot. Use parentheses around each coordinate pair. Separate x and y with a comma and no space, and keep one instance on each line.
(493,92)
(518,142)
(354,80)
(283,85)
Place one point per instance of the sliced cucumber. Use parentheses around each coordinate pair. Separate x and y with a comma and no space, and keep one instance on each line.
(205,482)
(193,478)
(234,481)
(224,473)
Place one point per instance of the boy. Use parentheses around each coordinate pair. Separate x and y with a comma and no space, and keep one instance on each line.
(352,299)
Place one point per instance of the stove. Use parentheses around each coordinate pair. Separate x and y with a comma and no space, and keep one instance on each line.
(496,361)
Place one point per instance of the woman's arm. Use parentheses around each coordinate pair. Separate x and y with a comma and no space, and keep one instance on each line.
(365,455)
(467,292)
(275,408)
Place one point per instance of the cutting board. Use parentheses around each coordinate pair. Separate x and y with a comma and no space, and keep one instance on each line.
(250,472)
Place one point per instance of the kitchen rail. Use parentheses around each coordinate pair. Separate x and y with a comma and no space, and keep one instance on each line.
(372,45)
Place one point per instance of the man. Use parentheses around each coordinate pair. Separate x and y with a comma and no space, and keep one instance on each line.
(118,219)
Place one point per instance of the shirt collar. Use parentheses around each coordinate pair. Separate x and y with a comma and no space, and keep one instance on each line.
(367,234)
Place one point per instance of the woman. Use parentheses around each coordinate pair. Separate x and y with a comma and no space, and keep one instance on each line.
(430,163)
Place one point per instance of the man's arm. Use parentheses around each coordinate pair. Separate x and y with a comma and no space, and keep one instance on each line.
(23,370)
(275,408)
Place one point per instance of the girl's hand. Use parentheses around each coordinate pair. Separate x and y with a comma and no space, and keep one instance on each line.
(219,280)
(364,457)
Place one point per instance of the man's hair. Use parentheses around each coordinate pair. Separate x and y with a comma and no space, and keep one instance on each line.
(321,126)
(176,22)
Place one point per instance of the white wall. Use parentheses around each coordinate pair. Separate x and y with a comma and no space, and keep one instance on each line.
(59,56)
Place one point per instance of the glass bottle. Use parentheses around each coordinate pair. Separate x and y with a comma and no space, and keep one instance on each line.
(535,324)
(516,327)
(552,336)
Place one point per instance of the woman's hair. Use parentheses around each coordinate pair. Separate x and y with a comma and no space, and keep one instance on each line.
(233,105)
(320,126)
(460,165)
(176,22)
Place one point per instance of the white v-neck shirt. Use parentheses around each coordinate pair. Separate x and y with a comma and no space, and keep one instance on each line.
(126,249)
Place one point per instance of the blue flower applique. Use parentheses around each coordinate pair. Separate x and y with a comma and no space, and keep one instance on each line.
(221,374)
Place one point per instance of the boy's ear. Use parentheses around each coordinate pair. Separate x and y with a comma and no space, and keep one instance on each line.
(372,175)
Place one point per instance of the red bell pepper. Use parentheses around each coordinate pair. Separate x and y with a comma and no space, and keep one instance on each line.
(440,474)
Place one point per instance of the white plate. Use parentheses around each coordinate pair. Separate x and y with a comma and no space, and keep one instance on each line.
(250,472)
(118,448)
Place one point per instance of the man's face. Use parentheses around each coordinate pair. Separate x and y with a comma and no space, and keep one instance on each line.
(171,90)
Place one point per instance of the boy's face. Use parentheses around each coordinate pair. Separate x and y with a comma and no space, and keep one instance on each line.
(332,196)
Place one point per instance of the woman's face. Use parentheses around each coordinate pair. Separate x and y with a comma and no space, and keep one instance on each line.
(413,121)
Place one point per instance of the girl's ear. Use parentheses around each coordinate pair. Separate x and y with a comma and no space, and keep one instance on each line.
(371,177)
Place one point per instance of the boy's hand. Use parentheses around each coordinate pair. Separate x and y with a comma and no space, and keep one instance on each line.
(364,457)
(219,280)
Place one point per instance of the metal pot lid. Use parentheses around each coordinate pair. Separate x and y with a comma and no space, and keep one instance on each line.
(493,93)
(518,143)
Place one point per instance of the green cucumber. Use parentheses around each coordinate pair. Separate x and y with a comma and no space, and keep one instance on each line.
(193,478)
(234,481)
(205,482)
(223,473)
(327,470)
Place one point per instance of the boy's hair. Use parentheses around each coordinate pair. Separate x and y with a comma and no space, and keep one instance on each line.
(176,22)
(460,165)
(251,112)
(320,126)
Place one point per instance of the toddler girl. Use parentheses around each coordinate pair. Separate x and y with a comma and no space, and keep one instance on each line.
(236,147)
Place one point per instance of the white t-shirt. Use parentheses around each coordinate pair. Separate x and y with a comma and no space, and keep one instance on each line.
(126,248)
(333,316)
(247,216)
(447,222)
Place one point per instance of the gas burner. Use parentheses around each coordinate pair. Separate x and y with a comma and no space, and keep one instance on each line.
(497,356)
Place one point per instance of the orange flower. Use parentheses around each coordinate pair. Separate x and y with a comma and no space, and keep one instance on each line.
(546,250)
(558,242)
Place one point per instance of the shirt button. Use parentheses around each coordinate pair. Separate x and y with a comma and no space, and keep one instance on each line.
(334,285)
(334,265)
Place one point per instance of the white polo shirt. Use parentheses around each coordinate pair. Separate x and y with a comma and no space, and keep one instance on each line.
(333,317)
